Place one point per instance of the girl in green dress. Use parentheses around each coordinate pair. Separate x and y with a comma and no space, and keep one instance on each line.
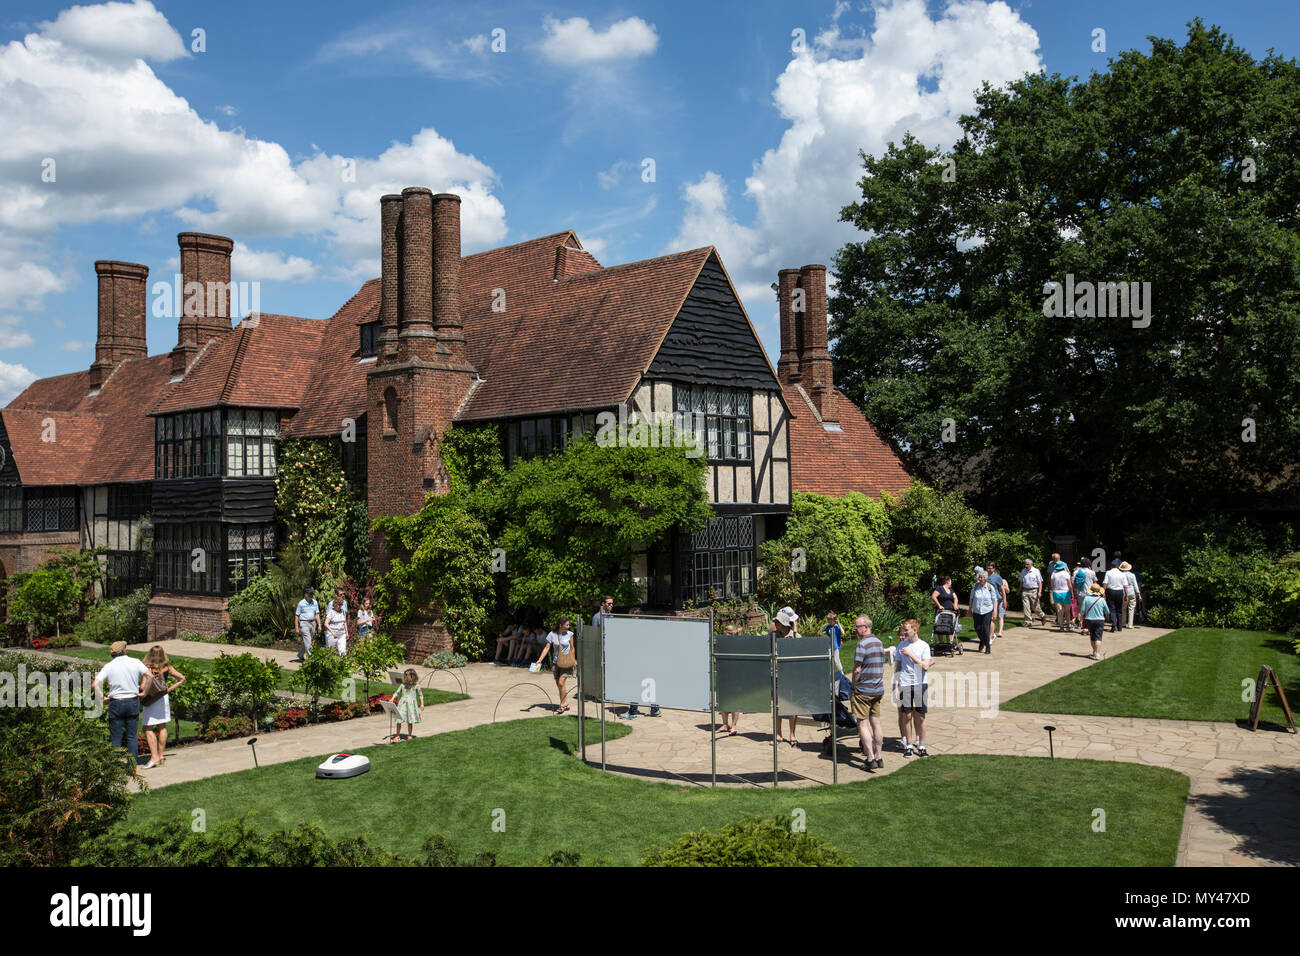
(409,703)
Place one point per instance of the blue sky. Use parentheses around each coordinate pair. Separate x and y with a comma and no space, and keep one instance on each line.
(255,136)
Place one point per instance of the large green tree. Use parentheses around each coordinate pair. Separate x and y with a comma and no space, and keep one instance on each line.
(1177,168)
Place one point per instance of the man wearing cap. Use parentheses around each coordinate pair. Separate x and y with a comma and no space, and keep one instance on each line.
(308,614)
(122,674)
(1132,594)
(1114,583)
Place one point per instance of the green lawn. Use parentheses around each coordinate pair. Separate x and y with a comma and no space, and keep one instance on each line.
(943,811)
(199,665)
(1189,674)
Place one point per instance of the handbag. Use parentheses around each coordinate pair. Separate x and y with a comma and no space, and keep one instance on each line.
(155,688)
(566,659)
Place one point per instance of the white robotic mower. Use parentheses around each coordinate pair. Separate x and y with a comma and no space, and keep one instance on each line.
(343,765)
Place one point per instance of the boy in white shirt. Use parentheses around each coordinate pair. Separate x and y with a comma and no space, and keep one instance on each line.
(912,660)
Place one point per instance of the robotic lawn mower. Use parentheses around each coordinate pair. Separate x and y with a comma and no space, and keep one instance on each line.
(343,765)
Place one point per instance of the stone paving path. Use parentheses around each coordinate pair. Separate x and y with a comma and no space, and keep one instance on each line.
(1245,787)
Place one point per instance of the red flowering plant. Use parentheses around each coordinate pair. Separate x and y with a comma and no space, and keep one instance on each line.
(39,642)
(289,717)
(345,710)
(374,699)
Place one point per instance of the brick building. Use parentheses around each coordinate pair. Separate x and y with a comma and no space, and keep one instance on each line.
(174,455)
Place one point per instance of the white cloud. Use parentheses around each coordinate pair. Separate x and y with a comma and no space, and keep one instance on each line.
(11,336)
(228,110)
(126,146)
(574,42)
(117,31)
(246,263)
(25,284)
(13,379)
(412,45)
(76,345)
(609,178)
(911,72)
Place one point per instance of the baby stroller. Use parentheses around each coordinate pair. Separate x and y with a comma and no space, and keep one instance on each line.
(944,639)
(844,719)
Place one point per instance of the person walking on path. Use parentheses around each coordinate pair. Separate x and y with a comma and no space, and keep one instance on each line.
(1114,585)
(365,620)
(1001,591)
(336,626)
(1083,579)
(561,640)
(868,690)
(785,625)
(155,696)
(1093,609)
(911,690)
(1031,593)
(1061,596)
(730,718)
(409,701)
(982,605)
(307,616)
(1132,594)
(123,675)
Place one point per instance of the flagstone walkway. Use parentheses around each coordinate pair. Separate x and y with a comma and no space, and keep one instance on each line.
(1245,786)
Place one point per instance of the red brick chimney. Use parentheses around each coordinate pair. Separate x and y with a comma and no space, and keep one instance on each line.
(122,308)
(446,280)
(205,295)
(415,335)
(390,280)
(788,366)
(814,359)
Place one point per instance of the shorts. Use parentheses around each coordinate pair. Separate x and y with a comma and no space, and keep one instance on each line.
(1060,597)
(559,671)
(865,705)
(913,698)
(1000,609)
(1095,630)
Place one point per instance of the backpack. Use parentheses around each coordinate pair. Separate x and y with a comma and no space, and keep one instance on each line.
(1080,576)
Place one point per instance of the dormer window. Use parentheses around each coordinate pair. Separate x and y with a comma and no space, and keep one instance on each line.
(370,340)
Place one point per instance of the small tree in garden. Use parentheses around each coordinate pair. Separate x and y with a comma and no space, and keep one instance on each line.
(55,593)
(374,655)
(242,682)
(322,674)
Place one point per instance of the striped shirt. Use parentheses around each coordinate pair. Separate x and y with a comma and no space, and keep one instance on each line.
(870,657)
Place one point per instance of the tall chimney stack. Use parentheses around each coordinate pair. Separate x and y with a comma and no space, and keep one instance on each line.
(390,281)
(415,334)
(205,295)
(788,366)
(815,360)
(446,279)
(122,308)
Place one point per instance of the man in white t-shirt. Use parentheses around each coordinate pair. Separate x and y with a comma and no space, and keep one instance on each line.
(122,674)
(1114,585)
(912,660)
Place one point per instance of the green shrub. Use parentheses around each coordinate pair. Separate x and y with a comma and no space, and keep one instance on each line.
(195,700)
(445,660)
(753,841)
(933,532)
(231,844)
(223,728)
(66,639)
(322,673)
(61,782)
(121,619)
(243,684)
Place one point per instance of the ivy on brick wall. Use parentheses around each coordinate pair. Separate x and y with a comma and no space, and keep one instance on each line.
(322,513)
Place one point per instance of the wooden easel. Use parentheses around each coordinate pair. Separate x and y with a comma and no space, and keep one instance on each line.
(1267,676)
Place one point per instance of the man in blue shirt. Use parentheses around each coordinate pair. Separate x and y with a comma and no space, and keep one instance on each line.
(307,615)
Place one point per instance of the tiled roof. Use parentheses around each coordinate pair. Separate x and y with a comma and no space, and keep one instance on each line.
(337,388)
(58,461)
(266,360)
(854,458)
